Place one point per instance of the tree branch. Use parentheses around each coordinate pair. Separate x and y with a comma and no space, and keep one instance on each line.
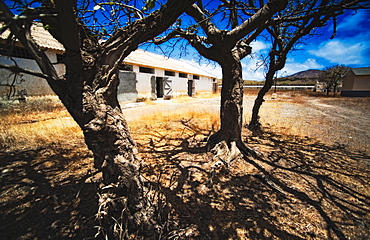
(70,35)
(173,34)
(210,29)
(16,69)
(259,19)
(127,39)
(197,42)
(139,13)
(28,17)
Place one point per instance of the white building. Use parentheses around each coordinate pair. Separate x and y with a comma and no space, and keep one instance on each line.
(143,75)
(150,76)
(11,84)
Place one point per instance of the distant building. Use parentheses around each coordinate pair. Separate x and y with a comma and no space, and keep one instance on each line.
(143,75)
(356,83)
(150,76)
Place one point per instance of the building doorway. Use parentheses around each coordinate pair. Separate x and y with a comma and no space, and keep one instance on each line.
(159,86)
(191,88)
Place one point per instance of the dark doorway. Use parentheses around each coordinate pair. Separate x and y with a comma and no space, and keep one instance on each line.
(191,88)
(159,85)
(215,87)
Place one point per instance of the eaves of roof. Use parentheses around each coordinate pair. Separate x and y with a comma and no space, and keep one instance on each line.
(139,57)
(42,37)
(361,71)
(148,59)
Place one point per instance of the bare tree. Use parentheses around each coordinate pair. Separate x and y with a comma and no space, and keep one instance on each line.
(228,45)
(297,22)
(332,77)
(89,91)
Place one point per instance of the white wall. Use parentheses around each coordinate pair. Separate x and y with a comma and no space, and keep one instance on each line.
(146,83)
(204,83)
(33,85)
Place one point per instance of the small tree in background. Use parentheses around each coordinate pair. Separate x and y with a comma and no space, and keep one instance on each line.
(332,77)
(287,35)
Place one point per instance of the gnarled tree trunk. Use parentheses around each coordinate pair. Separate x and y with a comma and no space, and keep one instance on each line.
(122,200)
(89,92)
(231,109)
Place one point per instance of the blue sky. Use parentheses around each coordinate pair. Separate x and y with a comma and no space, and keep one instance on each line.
(350,46)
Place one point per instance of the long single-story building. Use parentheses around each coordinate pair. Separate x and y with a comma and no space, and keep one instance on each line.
(356,83)
(146,75)
(143,75)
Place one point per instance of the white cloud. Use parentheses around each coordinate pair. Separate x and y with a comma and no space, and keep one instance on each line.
(292,67)
(258,46)
(340,52)
(352,20)
(251,71)
(207,66)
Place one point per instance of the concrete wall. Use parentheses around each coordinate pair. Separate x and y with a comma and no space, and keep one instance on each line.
(133,85)
(137,85)
(127,88)
(31,84)
(204,84)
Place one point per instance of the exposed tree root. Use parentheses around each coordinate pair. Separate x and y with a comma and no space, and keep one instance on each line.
(118,219)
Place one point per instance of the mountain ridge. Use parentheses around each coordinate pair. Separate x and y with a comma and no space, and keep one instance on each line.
(306,74)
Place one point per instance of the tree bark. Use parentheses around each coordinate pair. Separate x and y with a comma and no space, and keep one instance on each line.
(228,48)
(231,109)
(89,92)
(122,194)
(231,101)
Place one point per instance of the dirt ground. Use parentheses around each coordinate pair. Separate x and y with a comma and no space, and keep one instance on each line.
(311,180)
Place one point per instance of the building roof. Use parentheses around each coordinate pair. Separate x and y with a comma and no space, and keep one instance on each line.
(42,37)
(139,57)
(361,71)
(148,59)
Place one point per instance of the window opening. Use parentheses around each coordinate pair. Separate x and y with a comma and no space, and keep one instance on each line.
(169,73)
(126,67)
(183,75)
(146,70)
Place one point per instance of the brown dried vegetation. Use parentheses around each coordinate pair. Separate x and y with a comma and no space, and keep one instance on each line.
(306,184)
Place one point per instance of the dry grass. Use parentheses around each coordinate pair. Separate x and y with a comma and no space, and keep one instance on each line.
(301,188)
(38,123)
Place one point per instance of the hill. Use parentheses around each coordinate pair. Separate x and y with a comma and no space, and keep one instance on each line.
(307,74)
(307,77)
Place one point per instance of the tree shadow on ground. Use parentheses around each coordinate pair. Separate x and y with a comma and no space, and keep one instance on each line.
(43,194)
(298,189)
